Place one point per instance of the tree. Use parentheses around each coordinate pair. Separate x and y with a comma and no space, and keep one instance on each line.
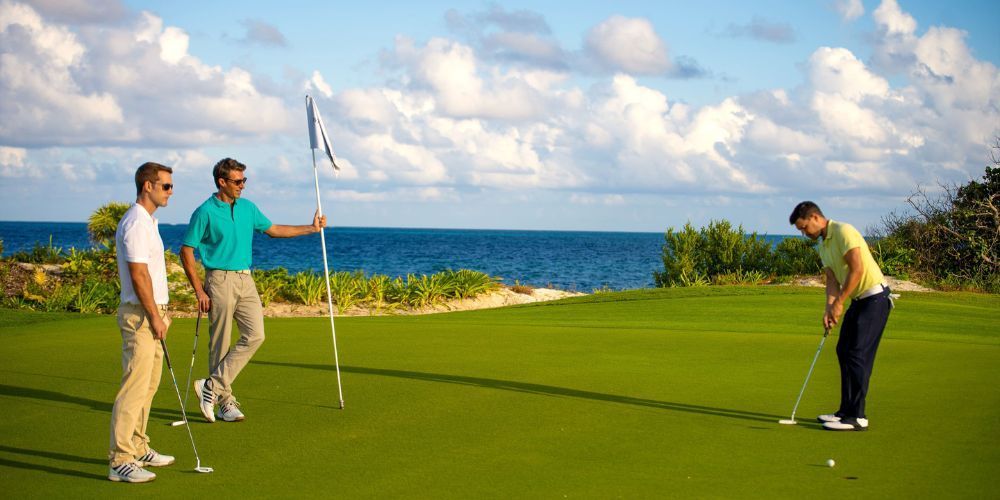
(953,237)
(103,222)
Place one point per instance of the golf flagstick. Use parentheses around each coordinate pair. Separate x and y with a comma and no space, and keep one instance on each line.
(791,421)
(319,139)
(187,386)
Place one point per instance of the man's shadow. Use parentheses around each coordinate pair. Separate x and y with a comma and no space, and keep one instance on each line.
(539,389)
(61,397)
(5,462)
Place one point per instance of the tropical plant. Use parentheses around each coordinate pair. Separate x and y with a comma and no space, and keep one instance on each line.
(41,254)
(466,283)
(522,289)
(103,222)
(270,283)
(308,288)
(345,287)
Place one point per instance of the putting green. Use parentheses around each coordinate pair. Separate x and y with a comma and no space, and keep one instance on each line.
(649,393)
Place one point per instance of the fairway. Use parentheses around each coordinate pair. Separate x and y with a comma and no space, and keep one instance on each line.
(642,394)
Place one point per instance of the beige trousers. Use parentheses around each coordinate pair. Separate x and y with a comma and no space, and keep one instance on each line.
(142,364)
(234,297)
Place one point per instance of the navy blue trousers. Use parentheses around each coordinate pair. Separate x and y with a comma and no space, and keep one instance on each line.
(860,334)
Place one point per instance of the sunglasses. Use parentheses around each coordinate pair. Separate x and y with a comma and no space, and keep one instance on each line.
(238,182)
(166,186)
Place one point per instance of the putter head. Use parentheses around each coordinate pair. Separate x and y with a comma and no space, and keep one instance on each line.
(787,421)
(204,470)
(177,423)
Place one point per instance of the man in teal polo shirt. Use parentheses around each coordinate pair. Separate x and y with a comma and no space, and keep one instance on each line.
(851,275)
(222,230)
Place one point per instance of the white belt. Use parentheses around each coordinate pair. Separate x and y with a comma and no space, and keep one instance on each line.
(239,271)
(872,291)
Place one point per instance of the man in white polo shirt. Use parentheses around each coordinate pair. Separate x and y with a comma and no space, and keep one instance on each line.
(143,321)
(851,274)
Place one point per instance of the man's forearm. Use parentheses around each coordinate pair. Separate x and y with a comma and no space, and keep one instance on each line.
(142,283)
(191,269)
(283,231)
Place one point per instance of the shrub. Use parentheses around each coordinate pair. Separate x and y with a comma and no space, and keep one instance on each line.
(522,289)
(103,222)
(796,256)
(307,288)
(695,257)
(270,283)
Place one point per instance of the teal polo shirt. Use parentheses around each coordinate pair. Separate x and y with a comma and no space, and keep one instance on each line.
(223,233)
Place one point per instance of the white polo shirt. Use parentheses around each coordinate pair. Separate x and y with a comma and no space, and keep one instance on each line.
(137,240)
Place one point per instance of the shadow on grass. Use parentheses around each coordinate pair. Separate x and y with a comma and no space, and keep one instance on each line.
(5,462)
(545,390)
(102,406)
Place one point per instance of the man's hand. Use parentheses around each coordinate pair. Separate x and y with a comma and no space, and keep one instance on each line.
(319,222)
(204,302)
(832,315)
(159,327)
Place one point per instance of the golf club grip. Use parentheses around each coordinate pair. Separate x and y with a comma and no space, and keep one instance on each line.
(166,355)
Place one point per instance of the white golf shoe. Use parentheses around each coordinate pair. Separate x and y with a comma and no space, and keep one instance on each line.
(131,472)
(230,412)
(152,458)
(829,417)
(860,424)
(206,398)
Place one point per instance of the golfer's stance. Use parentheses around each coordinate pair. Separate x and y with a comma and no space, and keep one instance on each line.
(851,273)
(222,230)
(143,321)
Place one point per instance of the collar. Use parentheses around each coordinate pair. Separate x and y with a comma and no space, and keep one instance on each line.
(219,203)
(145,214)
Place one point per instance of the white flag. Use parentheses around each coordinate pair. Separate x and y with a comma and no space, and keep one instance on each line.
(318,139)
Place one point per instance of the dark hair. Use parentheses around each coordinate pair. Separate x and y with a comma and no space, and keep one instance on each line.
(148,172)
(804,210)
(226,165)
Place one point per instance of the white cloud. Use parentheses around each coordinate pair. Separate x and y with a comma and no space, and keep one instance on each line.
(849,10)
(319,83)
(630,45)
(132,83)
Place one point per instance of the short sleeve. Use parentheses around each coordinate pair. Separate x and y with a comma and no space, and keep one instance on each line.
(196,229)
(136,242)
(851,239)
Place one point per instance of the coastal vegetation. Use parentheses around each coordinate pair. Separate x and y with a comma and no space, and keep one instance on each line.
(949,240)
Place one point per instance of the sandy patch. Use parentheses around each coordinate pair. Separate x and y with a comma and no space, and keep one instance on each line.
(897,285)
(500,298)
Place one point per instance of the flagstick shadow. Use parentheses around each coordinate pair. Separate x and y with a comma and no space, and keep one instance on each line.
(539,389)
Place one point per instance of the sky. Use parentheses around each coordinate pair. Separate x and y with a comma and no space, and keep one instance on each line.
(606,116)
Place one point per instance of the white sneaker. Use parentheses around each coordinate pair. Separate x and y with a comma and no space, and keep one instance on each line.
(830,417)
(230,412)
(206,398)
(131,472)
(860,424)
(154,459)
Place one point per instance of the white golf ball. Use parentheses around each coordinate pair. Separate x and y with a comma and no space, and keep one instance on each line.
(830,463)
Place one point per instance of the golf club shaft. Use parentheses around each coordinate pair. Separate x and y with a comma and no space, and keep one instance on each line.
(809,374)
(166,356)
(187,386)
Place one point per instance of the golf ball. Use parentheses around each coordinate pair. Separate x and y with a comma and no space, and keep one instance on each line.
(830,463)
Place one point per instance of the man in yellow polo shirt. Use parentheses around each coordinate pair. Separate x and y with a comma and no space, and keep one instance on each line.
(851,274)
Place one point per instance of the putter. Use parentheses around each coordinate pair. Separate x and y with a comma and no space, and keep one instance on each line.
(187,387)
(198,467)
(791,421)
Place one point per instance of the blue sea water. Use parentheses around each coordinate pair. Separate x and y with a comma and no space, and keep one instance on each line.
(569,260)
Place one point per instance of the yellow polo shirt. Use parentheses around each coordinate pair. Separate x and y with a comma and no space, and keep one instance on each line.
(841,237)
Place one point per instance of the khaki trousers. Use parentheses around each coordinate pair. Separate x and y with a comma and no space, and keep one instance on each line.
(234,297)
(142,364)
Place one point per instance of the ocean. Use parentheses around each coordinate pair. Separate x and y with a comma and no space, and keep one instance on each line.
(568,260)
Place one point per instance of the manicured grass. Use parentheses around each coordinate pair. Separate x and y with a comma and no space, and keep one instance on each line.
(652,393)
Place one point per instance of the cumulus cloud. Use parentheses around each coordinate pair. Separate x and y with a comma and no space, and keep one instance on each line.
(630,45)
(130,84)
(763,30)
(849,10)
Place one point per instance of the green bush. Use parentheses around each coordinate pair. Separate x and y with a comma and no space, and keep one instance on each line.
(696,257)
(796,256)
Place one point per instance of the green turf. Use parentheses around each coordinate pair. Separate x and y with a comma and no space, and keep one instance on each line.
(652,393)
